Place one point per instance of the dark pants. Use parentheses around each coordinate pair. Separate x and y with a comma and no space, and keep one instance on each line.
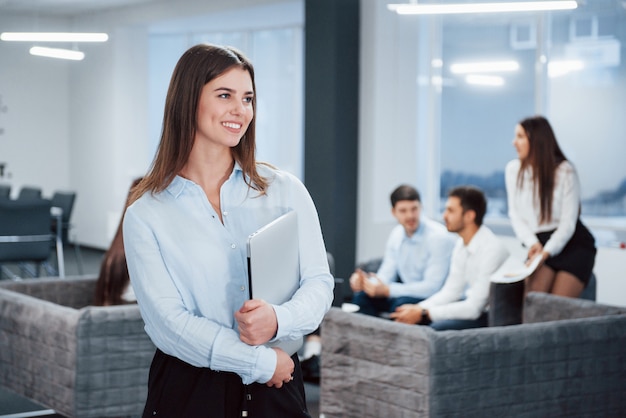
(446,324)
(178,389)
(376,306)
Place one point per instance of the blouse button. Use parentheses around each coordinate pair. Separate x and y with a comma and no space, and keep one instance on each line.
(243,288)
(225,213)
(233,246)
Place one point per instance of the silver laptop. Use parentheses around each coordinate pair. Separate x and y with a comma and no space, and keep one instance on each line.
(274,266)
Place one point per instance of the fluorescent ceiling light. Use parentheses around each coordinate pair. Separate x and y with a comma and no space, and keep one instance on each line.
(484,80)
(54,37)
(67,54)
(559,68)
(484,67)
(437,63)
(498,7)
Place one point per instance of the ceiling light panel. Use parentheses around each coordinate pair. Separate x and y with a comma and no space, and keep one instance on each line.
(496,7)
(53,37)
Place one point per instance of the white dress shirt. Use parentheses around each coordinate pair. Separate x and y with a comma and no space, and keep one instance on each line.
(525,212)
(189,271)
(465,293)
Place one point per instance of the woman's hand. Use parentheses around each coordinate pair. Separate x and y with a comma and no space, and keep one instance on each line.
(257,322)
(537,251)
(284,369)
(534,250)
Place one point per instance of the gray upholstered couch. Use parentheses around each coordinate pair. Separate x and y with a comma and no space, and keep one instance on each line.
(567,358)
(80,360)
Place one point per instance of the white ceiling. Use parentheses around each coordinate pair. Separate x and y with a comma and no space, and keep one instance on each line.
(66,7)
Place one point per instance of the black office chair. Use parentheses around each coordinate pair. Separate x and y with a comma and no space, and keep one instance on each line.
(24,235)
(5,191)
(65,201)
(29,193)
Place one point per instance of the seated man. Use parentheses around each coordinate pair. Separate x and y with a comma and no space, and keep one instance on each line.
(462,300)
(416,259)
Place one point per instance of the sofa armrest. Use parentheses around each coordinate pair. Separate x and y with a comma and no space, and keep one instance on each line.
(74,292)
(372,367)
(112,362)
(377,367)
(541,307)
(32,332)
(572,367)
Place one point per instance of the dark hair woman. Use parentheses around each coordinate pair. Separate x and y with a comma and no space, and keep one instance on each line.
(544,206)
(185,240)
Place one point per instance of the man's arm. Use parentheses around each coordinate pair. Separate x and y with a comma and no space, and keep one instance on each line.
(490,258)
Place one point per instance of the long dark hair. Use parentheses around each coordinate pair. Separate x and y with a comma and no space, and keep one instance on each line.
(114,278)
(196,67)
(544,156)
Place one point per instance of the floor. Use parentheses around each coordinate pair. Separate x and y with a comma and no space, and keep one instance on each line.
(14,406)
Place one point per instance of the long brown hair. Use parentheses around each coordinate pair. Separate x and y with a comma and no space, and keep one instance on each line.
(196,67)
(544,156)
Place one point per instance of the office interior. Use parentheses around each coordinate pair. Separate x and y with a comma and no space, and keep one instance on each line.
(353,98)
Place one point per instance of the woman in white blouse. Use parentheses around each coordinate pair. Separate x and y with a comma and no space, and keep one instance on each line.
(544,206)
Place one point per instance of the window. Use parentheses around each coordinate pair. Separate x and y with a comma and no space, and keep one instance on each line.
(276,51)
(564,65)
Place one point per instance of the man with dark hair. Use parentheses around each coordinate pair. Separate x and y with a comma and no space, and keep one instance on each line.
(416,261)
(478,253)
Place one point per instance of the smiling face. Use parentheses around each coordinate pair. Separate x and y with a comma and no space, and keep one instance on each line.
(225,109)
(521,142)
(407,212)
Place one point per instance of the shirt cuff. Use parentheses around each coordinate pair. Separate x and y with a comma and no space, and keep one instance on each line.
(285,322)
(394,289)
(251,363)
(266,364)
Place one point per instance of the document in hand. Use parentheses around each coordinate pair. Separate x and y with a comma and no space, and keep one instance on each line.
(514,270)
(274,266)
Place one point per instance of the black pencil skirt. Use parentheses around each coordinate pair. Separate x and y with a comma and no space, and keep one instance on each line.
(177,389)
(578,255)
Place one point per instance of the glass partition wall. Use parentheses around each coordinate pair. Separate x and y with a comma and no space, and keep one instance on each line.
(275,47)
(487,72)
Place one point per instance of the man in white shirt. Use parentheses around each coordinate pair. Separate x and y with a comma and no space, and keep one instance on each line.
(416,261)
(462,300)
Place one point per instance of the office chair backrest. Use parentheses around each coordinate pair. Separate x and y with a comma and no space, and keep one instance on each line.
(29,193)
(65,201)
(25,230)
(5,190)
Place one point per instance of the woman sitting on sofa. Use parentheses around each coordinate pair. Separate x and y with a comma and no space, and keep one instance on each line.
(113,285)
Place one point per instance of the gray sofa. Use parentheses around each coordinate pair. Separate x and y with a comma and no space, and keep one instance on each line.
(567,358)
(80,360)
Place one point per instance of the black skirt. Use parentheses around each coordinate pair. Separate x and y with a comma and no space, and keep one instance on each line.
(177,389)
(578,255)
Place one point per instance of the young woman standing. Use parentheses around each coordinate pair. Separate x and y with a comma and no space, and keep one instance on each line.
(544,206)
(185,240)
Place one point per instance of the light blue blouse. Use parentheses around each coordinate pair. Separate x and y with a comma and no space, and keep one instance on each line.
(189,271)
